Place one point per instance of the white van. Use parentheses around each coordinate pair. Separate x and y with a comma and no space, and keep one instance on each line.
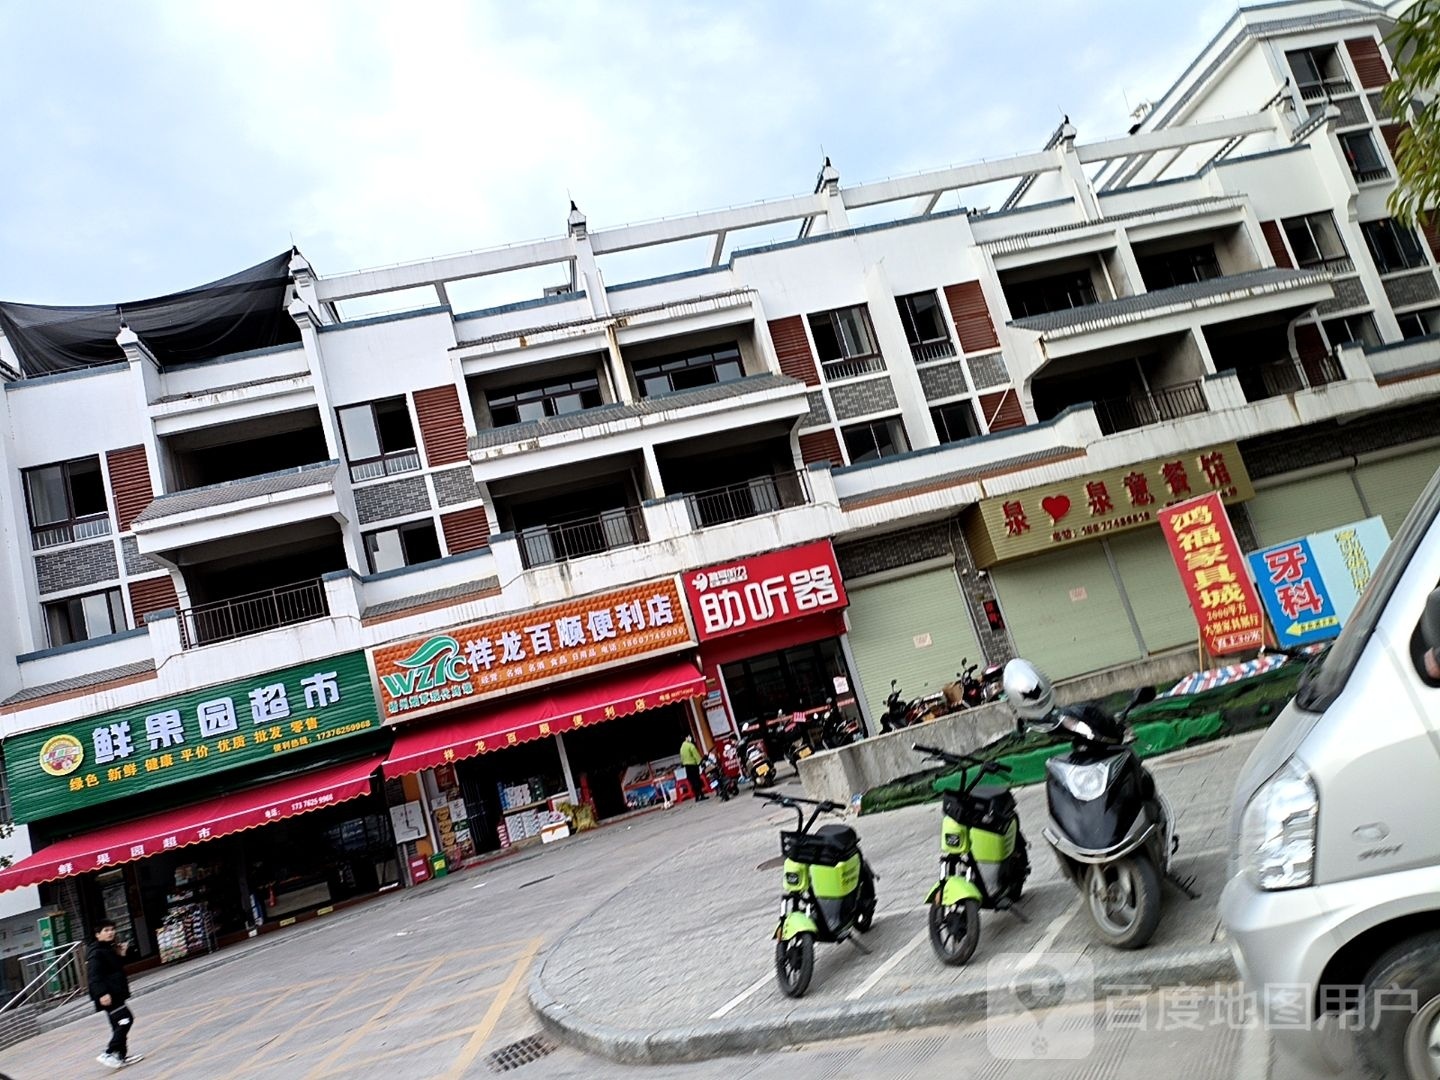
(1333,904)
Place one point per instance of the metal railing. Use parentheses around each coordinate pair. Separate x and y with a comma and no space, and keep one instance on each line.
(253,613)
(1155,407)
(68,532)
(1337,264)
(52,975)
(546,544)
(401,461)
(762,495)
(1365,176)
(939,349)
(1325,88)
(1288,376)
(851,367)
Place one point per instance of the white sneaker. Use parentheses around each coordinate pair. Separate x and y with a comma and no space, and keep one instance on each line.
(110,1061)
(131,1059)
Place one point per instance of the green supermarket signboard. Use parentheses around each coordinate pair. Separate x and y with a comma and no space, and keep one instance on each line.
(197,734)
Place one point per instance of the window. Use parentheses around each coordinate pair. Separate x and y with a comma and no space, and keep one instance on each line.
(845,342)
(66,502)
(1415,324)
(80,618)
(924,327)
(1184,267)
(1393,246)
(1056,293)
(1352,330)
(954,422)
(1363,155)
(1318,72)
(404,545)
(689,371)
(521,405)
(379,439)
(875,440)
(1316,241)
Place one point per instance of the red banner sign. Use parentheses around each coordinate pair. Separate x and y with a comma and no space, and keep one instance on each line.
(730,598)
(1212,569)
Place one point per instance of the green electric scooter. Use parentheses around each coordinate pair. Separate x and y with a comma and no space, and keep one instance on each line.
(829,890)
(983,857)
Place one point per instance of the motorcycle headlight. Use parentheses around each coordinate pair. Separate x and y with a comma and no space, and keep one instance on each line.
(1087,782)
(1277,830)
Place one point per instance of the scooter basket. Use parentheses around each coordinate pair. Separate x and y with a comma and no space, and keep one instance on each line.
(830,845)
(984,807)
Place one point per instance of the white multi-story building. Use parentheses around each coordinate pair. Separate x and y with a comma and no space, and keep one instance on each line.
(257,551)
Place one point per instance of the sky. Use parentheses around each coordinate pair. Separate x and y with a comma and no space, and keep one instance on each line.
(159,144)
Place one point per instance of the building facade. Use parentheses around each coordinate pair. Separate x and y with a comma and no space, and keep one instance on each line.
(423,575)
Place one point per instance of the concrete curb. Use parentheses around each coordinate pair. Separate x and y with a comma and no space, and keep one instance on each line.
(1202,966)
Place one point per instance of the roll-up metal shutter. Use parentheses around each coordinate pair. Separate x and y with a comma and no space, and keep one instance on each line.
(1391,487)
(1305,506)
(886,621)
(1152,585)
(1064,611)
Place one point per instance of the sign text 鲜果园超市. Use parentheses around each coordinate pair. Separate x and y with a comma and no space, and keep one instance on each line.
(199,733)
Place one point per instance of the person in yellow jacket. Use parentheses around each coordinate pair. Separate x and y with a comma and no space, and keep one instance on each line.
(690,759)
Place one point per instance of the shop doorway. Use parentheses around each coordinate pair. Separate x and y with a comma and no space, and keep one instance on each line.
(602,754)
(490,784)
(798,679)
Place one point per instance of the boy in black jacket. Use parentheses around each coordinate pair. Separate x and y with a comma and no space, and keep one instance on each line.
(110,989)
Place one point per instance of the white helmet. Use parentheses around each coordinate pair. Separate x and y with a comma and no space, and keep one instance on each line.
(1029,692)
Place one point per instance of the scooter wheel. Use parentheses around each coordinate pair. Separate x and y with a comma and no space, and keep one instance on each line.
(1123,899)
(955,931)
(794,964)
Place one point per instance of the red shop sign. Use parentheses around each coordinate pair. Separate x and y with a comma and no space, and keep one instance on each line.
(731,598)
(1214,574)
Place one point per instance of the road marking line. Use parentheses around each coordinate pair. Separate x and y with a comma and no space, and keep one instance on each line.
(492,1016)
(1254,1053)
(360,1032)
(889,966)
(1053,931)
(740,997)
(280,1038)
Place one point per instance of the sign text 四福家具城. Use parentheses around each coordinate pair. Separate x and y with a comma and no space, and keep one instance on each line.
(1212,570)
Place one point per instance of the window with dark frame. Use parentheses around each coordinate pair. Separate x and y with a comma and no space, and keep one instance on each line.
(1316,241)
(1352,330)
(875,439)
(954,422)
(843,334)
(1363,156)
(690,370)
(1393,246)
(521,405)
(1418,324)
(82,618)
(1058,292)
(379,438)
(1185,267)
(66,502)
(401,545)
(1318,72)
(925,328)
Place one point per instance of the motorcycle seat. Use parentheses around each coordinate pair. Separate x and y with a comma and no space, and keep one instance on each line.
(828,845)
(987,806)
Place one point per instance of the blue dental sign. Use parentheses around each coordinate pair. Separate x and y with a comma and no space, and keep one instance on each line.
(1309,586)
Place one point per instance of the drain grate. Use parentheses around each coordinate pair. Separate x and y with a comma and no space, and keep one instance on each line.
(523,1052)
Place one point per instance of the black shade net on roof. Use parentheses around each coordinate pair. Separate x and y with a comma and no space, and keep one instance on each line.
(235,314)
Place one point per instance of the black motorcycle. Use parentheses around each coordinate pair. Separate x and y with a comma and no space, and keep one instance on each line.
(1111,828)
(754,755)
(893,718)
(972,691)
(837,729)
(727,787)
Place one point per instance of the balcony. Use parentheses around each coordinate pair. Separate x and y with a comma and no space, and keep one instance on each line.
(853,367)
(542,545)
(220,511)
(923,352)
(1155,407)
(242,616)
(402,461)
(1277,378)
(736,502)
(555,441)
(70,532)
(1325,88)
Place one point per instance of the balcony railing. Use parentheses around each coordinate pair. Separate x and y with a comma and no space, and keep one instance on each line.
(1338,264)
(1289,376)
(69,532)
(253,614)
(1326,88)
(852,367)
(1156,407)
(1366,176)
(402,461)
(762,495)
(939,349)
(546,544)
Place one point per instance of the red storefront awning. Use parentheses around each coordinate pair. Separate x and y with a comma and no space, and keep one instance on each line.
(498,724)
(208,820)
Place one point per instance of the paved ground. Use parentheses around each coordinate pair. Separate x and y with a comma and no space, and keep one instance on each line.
(431,982)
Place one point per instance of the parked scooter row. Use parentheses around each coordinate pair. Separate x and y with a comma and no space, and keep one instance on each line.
(1109,826)
(968,691)
(794,737)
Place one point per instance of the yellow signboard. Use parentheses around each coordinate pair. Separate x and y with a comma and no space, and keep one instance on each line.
(1089,507)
